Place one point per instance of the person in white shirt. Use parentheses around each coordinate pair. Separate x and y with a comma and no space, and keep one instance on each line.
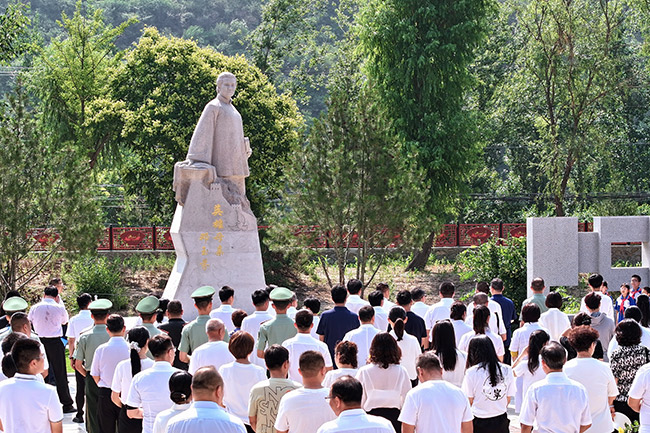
(20,324)
(224,312)
(345,400)
(527,367)
(481,320)
(345,357)
(496,323)
(78,323)
(240,376)
(385,290)
(293,307)
(363,335)
(310,399)
(595,376)
(639,397)
(138,338)
(556,404)
(489,385)
(302,342)
(48,318)
(634,313)
(458,314)
(385,382)
(26,403)
(407,343)
(444,346)
(313,304)
(554,320)
(441,309)
(215,352)
(206,413)
(530,314)
(252,322)
(106,358)
(380,321)
(595,282)
(419,307)
(144,397)
(435,405)
(180,392)
(354,301)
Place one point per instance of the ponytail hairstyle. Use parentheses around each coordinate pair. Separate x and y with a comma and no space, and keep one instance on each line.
(481,319)
(180,387)
(537,340)
(162,309)
(444,344)
(397,315)
(137,338)
(8,364)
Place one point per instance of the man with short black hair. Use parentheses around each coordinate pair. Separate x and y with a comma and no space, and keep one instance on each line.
(265,396)
(419,307)
(174,328)
(363,335)
(635,284)
(595,282)
(193,334)
(206,413)
(458,314)
(354,301)
(599,321)
(415,324)
(537,286)
(435,405)
(376,300)
(508,311)
(310,399)
(252,322)
(48,318)
(440,310)
(225,310)
(384,288)
(76,325)
(345,400)
(303,342)
(556,403)
(313,304)
(20,323)
(106,358)
(338,321)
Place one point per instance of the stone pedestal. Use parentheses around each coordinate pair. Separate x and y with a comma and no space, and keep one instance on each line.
(216,242)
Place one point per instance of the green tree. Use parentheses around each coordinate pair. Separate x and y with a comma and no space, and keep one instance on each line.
(15,35)
(418,53)
(161,90)
(42,186)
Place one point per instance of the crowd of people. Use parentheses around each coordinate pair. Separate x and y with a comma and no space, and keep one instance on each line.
(368,366)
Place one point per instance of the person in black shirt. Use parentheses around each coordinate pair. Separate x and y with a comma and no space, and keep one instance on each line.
(415,324)
(174,327)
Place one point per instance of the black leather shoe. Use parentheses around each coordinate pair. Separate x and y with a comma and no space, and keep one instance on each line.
(78,419)
(69,409)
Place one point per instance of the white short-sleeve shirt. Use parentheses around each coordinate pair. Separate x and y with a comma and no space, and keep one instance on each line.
(332,375)
(354,303)
(460,328)
(106,358)
(489,401)
(213,353)
(78,323)
(28,405)
(122,376)
(436,406)
(438,311)
(497,341)
(420,308)
(557,403)
(455,376)
(556,322)
(238,379)
(357,421)
(383,387)
(410,347)
(521,336)
(47,317)
(300,344)
(362,337)
(163,418)
(527,378)
(381,319)
(251,324)
(224,313)
(640,390)
(598,380)
(150,391)
(295,404)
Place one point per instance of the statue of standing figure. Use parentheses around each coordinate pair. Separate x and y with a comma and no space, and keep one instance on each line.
(218,143)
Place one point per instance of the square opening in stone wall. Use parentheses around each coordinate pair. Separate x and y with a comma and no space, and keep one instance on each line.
(626,254)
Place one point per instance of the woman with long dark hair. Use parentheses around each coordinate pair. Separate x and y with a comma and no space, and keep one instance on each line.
(489,385)
(481,326)
(385,382)
(408,344)
(137,338)
(528,366)
(643,302)
(444,346)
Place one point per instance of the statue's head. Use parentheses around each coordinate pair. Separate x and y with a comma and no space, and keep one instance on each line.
(226,84)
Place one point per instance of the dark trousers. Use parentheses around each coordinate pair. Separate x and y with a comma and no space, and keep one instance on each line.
(107,412)
(80,394)
(497,424)
(92,391)
(128,425)
(55,352)
(390,413)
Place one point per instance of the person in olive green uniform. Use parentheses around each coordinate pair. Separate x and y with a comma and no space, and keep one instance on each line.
(146,309)
(10,306)
(194,334)
(84,352)
(277,330)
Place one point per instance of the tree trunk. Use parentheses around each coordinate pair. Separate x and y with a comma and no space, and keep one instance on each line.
(421,258)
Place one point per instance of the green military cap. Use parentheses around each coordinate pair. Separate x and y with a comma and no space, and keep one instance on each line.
(203,292)
(148,305)
(14,304)
(281,294)
(100,304)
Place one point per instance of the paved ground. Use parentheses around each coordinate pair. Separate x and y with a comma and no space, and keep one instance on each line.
(72,427)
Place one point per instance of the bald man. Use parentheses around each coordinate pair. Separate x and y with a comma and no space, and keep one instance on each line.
(215,352)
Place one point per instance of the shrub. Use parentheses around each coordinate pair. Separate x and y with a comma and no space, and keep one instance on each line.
(99,277)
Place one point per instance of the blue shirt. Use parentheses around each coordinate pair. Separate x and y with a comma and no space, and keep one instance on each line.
(334,324)
(509,314)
